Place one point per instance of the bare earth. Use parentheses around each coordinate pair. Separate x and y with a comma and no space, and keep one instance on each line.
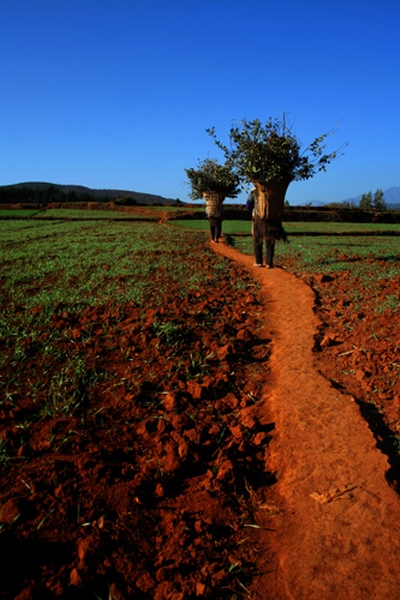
(335,530)
(229,459)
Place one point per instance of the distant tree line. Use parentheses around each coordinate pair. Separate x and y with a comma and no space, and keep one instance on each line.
(367,202)
(376,201)
(45,195)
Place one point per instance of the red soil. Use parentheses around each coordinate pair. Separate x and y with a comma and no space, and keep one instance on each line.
(336,529)
(145,489)
(253,475)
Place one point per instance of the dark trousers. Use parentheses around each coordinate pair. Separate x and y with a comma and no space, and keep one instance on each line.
(266,231)
(270,251)
(215,228)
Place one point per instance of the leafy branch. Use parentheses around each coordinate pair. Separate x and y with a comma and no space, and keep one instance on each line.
(210,176)
(271,152)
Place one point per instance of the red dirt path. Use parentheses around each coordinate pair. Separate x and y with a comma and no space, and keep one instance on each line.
(335,532)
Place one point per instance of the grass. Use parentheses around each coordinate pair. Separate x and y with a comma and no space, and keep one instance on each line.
(21,213)
(107,215)
(366,261)
(131,213)
(331,228)
(86,262)
(228,227)
(367,253)
(53,271)
(52,267)
(244,227)
(338,246)
(330,254)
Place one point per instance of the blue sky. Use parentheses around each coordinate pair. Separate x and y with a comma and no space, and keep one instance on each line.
(119,94)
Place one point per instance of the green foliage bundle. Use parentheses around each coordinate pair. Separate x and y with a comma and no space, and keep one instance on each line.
(271,152)
(210,176)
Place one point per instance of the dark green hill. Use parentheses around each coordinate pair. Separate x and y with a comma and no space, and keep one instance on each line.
(43,192)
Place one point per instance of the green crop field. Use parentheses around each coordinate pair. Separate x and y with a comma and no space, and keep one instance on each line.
(366,252)
(83,262)
(335,250)
(50,264)
(297,228)
(22,213)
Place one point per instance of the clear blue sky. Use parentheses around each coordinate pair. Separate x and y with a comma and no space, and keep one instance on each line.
(118,94)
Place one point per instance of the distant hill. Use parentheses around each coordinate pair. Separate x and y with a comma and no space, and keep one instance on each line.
(20,192)
(391,196)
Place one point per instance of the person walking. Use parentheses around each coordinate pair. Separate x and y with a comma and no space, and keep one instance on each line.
(264,229)
(214,214)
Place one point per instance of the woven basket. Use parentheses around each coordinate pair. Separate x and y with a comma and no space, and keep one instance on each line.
(271,198)
(214,202)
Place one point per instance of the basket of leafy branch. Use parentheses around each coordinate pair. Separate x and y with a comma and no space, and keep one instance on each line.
(213,182)
(212,178)
(270,156)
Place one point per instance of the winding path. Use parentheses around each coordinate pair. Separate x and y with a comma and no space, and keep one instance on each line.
(338,532)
